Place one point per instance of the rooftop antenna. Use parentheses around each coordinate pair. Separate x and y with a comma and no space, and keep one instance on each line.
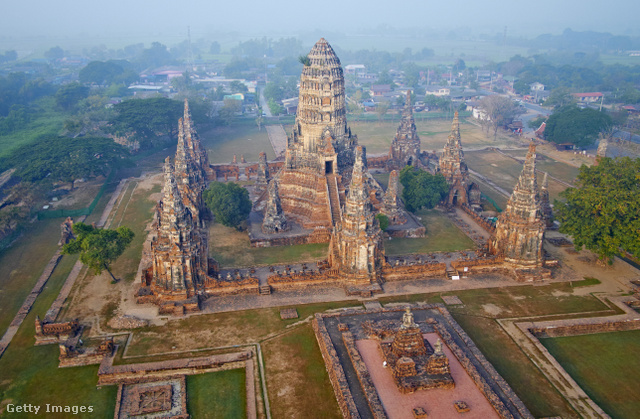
(504,43)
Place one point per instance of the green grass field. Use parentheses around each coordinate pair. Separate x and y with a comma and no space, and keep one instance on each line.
(606,367)
(232,248)
(22,264)
(30,374)
(297,379)
(48,123)
(225,142)
(442,236)
(217,395)
(377,135)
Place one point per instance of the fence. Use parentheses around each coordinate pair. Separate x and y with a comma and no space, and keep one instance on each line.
(64,213)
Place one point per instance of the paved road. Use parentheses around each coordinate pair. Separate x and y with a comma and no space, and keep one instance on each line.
(265,106)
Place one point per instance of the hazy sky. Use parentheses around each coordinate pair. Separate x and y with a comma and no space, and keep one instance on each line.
(129,21)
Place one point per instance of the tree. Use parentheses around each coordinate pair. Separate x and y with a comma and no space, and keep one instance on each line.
(215,48)
(383,220)
(108,72)
(499,111)
(64,159)
(559,97)
(381,109)
(602,212)
(146,118)
(521,87)
(228,112)
(70,94)
(274,107)
(55,53)
(422,189)
(570,124)
(228,202)
(536,122)
(98,247)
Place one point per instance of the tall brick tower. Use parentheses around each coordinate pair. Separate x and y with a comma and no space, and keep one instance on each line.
(356,245)
(520,227)
(405,147)
(320,148)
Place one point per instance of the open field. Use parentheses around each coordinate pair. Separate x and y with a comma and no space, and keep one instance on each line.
(505,171)
(297,380)
(605,365)
(217,395)
(232,248)
(30,374)
(49,123)
(442,236)
(22,264)
(224,142)
(377,136)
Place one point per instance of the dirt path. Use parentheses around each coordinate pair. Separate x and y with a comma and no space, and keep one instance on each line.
(278,139)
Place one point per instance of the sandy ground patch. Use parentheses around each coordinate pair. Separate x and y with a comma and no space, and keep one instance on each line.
(437,402)
(491,309)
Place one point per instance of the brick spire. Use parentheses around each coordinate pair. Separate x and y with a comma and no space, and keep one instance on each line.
(520,229)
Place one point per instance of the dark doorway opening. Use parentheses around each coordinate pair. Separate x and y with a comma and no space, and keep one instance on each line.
(328,167)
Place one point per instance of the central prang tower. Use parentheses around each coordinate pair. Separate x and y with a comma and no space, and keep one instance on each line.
(320,148)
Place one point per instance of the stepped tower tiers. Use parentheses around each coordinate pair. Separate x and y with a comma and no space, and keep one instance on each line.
(545,205)
(189,176)
(356,244)
(320,147)
(520,227)
(392,206)
(199,154)
(405,147)
(179,254)
(454,169)
(274,220)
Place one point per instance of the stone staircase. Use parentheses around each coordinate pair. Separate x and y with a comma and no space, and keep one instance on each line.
(451,273)
(334,198)
(265,289)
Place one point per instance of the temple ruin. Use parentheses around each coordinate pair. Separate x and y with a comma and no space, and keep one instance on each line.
(356,248)
(454,169)
(320,148)
(520,227)
(405,147)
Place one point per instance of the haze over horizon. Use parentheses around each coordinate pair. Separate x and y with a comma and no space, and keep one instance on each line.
(123,22)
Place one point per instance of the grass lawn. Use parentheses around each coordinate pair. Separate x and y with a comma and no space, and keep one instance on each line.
(22,264)
(377,135)
(297,379)
(48,123)
(605,365)
(135,211)
(30,374)
(232,248)
(217,395)
(223,142)
(442,236)
(220,329)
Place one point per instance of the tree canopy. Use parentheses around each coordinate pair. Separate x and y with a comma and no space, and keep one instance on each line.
(64,159)
(146,118)
(108,72)
(228,202)
(499,111)
(98,248)
(422,189)
(603,212)
(570,124)
(70,94)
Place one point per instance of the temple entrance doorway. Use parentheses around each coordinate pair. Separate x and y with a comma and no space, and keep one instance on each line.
(328,167)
